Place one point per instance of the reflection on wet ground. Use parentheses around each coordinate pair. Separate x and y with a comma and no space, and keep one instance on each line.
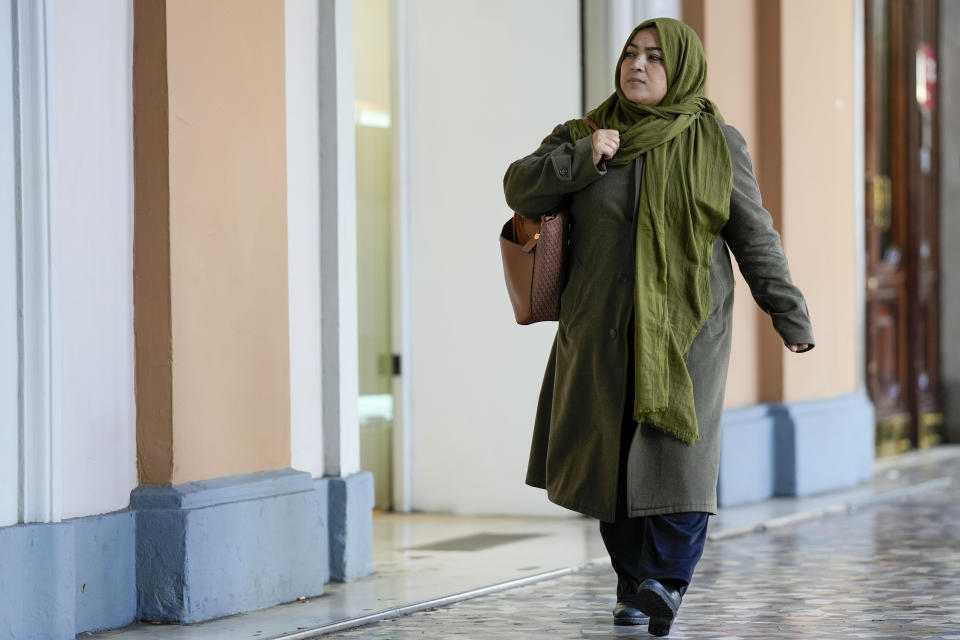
(891,571)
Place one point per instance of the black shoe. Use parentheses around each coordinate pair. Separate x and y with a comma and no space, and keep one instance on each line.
(660,603)
(627,613)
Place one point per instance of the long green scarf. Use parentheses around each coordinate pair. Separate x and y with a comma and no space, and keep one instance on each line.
(684,202)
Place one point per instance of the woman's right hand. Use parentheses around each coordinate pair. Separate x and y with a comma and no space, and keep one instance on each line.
(605,144)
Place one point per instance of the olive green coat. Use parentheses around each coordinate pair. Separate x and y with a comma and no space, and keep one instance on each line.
(576,437)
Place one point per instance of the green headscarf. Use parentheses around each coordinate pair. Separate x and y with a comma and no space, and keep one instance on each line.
(684,202)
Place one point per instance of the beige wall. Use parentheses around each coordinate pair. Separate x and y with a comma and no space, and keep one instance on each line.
(731,83)
(818,185)
(229,378)
(793,104)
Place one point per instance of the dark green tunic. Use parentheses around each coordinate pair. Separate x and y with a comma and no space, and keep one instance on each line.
(576,437)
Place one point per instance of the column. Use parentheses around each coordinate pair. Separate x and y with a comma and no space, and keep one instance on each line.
(827,443)
(801,423)
(223,524)
(350,491)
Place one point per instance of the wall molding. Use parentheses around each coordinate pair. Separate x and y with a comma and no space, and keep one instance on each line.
(302,86)
(338,242)
(9,287)
(39,398)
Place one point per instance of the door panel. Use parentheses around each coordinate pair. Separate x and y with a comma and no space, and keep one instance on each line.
(887,369)
(373,81)
(886,299)
(902,219)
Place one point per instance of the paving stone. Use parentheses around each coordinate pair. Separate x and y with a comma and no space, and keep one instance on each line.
(889,572)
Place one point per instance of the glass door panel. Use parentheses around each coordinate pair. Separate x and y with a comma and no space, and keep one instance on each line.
(372,82)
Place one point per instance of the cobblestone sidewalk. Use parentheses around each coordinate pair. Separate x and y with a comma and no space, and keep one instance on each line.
(891,571)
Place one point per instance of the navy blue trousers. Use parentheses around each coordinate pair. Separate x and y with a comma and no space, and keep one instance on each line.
(663,547)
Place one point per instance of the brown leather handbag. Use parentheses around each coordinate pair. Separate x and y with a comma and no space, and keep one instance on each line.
(534,256)
(535,265)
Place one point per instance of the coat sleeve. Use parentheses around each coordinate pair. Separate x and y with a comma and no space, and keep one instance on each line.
(538,183)
(756,245)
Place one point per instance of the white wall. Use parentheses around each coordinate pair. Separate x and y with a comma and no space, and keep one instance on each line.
(9,376)
(303,230)
(92,202)
(488,79)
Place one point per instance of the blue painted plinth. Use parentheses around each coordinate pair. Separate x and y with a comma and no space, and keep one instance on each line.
(746,456)
(823,445)
(350,509)
(65,578)
(186,553)
(105,582)
(795,449)
(37,580)
(216,547)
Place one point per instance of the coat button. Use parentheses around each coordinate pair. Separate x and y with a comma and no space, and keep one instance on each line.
(613,333)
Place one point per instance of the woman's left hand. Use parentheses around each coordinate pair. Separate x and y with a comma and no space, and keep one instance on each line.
(797,348)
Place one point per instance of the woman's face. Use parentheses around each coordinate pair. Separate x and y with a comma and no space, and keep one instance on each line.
(643,78)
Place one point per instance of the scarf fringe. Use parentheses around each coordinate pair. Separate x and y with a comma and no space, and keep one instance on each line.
(677,431)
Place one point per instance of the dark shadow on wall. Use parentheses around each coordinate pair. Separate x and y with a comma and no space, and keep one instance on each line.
(769,169)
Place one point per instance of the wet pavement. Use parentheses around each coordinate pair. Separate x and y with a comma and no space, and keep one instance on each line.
(889,571)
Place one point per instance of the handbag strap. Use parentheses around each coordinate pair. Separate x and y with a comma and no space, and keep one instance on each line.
(592,125)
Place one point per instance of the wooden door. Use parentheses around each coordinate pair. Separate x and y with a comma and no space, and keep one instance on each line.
(902,220)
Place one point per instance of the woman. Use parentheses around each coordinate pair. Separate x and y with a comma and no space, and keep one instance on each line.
(628,421)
